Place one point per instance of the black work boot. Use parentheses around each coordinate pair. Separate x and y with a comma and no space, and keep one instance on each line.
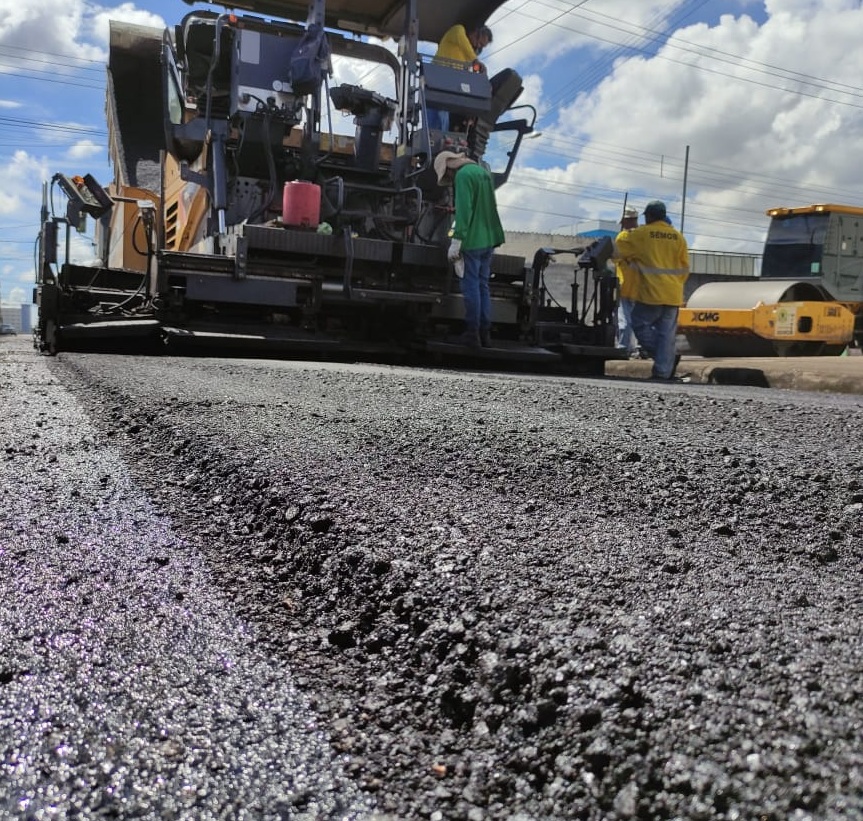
(485,337)
(469,338)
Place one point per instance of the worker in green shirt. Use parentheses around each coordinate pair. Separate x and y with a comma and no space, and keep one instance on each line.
(477,231)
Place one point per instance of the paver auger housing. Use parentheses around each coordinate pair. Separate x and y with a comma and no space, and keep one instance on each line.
(274,186)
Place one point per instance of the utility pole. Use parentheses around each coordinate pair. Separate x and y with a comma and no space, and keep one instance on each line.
(683,203)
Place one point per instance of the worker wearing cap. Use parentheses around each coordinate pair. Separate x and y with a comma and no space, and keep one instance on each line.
(477,231)
(628,277)
(659,252)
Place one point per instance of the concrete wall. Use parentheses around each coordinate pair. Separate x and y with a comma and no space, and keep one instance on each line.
(702,263)
(719,263)
(522,244)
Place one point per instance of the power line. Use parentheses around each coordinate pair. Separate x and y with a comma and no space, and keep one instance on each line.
(737,59)
(16,122)
(599,67)
(28,59)
(568,217)
(627,158)
(47,144)
(703,214)
(51,78)
(704,176)
(651,35)
(52,54)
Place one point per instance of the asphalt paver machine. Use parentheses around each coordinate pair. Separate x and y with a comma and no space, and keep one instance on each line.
(274,188)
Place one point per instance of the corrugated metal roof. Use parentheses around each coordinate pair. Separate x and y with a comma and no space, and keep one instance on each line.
(598,233)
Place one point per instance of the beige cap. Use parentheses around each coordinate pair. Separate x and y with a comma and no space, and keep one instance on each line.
(630,214)
(449,161)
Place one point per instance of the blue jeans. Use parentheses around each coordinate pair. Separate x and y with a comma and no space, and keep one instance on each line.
(474,288)
(625,337)
(655,327)
(437,119)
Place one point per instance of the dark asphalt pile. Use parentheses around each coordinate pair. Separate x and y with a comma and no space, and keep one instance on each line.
(500,597)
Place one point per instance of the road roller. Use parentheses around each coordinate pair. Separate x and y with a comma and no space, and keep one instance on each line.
(808,300)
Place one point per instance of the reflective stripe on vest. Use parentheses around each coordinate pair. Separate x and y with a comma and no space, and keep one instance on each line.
(678,272)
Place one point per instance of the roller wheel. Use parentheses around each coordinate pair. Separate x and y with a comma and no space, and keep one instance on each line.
(799,348)
(725,346)
(833,350)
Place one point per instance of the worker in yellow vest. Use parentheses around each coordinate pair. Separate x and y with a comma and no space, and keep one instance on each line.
(659,253)
(628,287)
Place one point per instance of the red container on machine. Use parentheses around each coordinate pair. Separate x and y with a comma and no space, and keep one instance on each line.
(301,204)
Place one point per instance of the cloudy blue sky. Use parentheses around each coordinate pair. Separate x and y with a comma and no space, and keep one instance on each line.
(765,94)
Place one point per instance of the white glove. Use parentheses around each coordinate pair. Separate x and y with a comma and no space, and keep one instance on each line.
(458,265)
(454,250)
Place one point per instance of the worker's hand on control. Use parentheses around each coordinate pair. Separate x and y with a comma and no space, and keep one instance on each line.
(454,250)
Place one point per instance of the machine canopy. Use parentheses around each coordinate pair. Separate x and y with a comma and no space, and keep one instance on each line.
(378,18)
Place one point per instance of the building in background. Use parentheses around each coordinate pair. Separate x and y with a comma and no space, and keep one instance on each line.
(17,315)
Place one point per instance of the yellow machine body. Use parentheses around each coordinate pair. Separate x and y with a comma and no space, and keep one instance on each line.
(747,319)
(808,300)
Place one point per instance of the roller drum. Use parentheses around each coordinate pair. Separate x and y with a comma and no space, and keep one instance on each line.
(728,343)
(741,295)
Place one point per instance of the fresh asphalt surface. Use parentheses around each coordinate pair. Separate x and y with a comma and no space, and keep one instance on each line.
(263,589)
(128,685)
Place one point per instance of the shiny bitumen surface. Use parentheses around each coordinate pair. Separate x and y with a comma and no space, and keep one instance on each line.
(831,374)
(128,686)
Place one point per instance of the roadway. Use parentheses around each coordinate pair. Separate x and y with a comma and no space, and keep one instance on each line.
(247,588)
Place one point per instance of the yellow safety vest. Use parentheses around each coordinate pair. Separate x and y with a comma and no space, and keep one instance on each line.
(627,275)
(659,252)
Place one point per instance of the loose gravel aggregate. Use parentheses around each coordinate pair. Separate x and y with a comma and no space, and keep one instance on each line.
(485,596)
